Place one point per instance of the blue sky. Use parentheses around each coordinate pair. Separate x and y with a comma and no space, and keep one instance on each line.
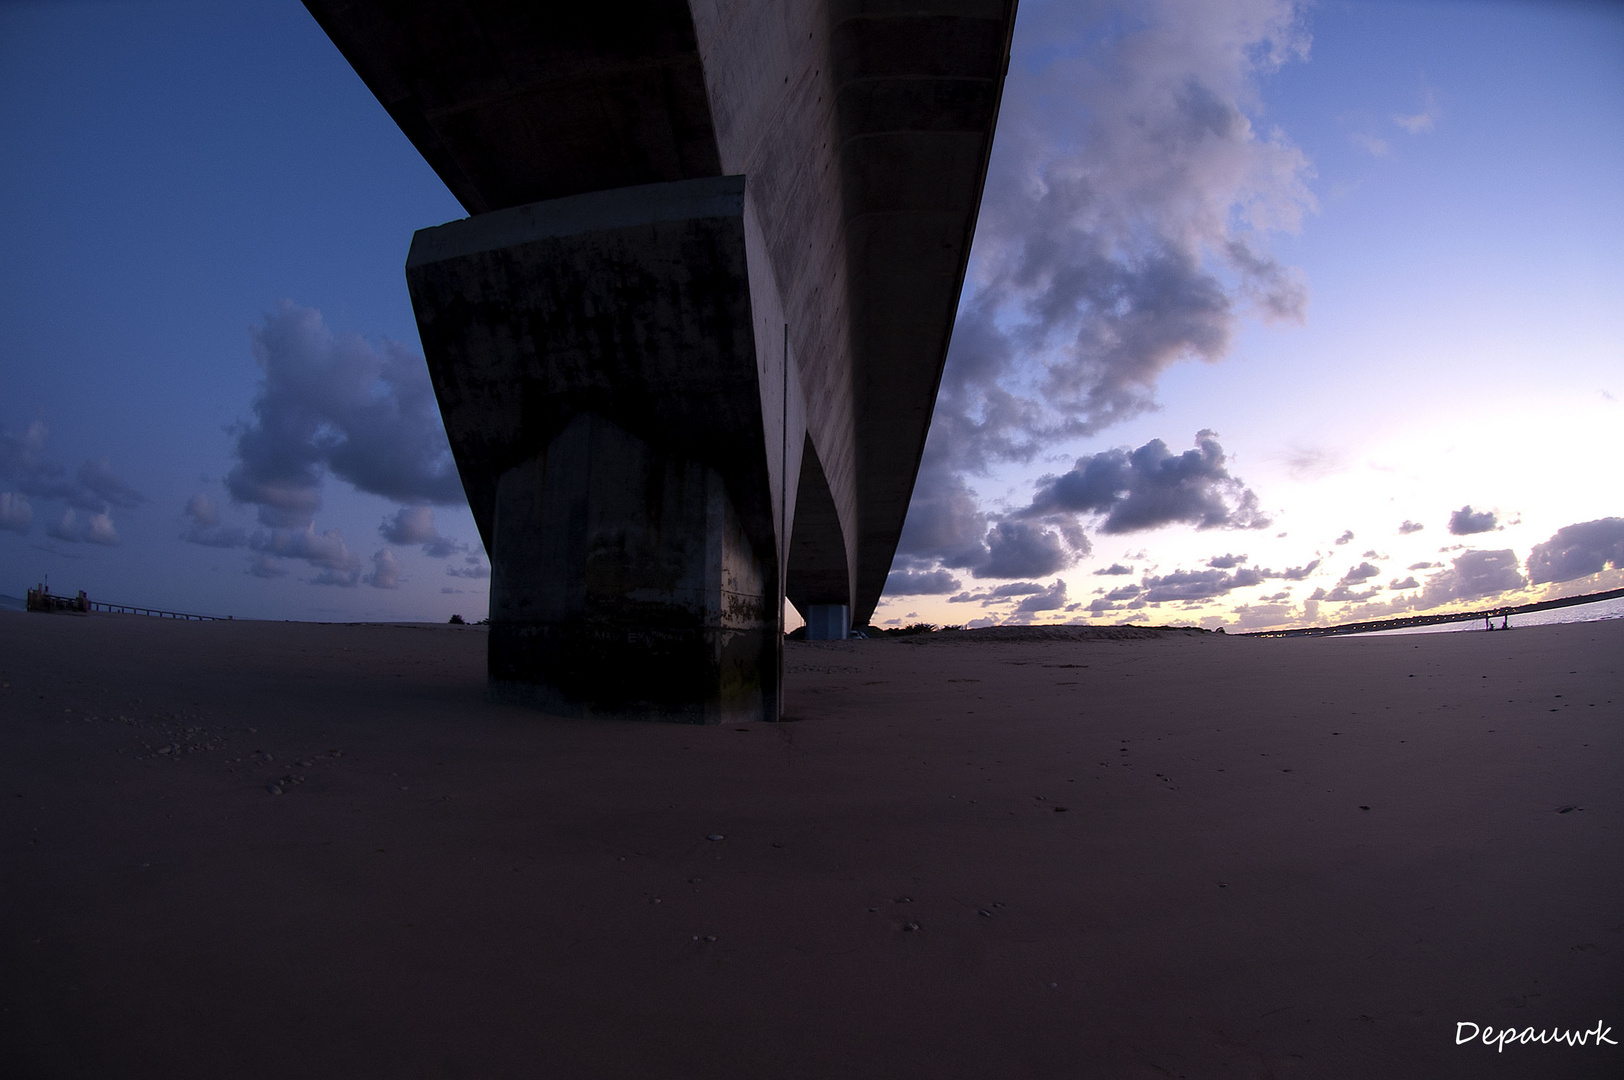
(1424,316)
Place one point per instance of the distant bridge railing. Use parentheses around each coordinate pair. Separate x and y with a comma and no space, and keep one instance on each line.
(1406,621)
(132,609)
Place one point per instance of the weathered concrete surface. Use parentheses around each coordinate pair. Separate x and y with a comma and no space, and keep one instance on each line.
(861,129)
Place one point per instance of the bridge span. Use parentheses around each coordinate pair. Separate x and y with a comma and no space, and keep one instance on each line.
(688,341)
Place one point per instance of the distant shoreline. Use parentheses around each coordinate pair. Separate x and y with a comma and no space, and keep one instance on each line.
(1406,621)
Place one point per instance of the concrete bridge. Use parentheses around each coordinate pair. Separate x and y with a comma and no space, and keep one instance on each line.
(688,342)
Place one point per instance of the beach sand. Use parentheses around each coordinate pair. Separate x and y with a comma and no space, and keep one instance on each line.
(1189,856)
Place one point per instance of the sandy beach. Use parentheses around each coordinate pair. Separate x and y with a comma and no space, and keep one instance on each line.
(246,849)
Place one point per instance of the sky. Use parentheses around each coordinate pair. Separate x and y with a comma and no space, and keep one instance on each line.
(1277,314)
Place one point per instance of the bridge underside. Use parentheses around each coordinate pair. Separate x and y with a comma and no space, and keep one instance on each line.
(687,345)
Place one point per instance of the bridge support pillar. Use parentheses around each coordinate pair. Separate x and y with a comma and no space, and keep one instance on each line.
(828,622)
(614,379)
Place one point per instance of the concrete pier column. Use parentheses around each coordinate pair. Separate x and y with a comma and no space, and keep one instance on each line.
(616,384)
(828,622)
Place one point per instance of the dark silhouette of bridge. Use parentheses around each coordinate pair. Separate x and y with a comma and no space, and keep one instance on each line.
(688,342)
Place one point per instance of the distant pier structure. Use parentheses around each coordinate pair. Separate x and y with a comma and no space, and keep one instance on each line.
(40,598)
(688,341)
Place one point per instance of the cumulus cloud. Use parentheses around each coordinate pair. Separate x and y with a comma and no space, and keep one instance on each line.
(1150,487)
(324,551)
(415,525)
(472,568)
(385,570)
(1114,570)
(1466,521)
(206,528)
(1577,551)
(1124,229)
(1473,575)
(93,490)
(1359,574)
(94,529)
(920,583)
(15,513)
(1410,527)
(1407,583)
(1345,538)
(1198,584)
(1226,561)
(1021,549)
(335,403)
(1050,599)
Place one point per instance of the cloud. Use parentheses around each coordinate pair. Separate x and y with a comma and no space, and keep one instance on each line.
(1124,229)
(335,403)
(999,594)
(1150,487)
(1423,121)
(1050,599)
(1576,551)
(206,528)
(1226,561)
(1423,566)
(1375,147)
(96,529)
(1410,527)
(1466,521)
(1407,583)
(1358,574)
(920,583)
(1297,573)
(1345,538)
(324,551)
(415,525)
(1019,549)
(1114,570)
(385,570)
(1474,574)
(1198,584)
(263,566)
(93,489)
(15,513)
(473,568)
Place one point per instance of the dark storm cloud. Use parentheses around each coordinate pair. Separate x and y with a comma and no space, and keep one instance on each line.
(920,583)
(1410,527)
(1466,521)
(415,525)
(1474,574)
(1150,487)
(1577,551)
(88,496)
(206,528)
(335,403)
